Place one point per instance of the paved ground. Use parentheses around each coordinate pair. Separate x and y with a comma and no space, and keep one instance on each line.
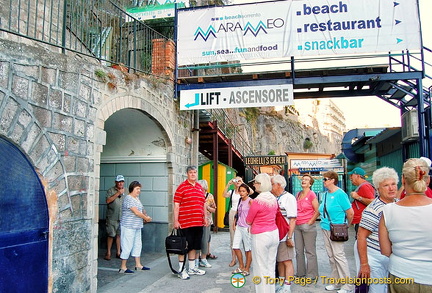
(217,278)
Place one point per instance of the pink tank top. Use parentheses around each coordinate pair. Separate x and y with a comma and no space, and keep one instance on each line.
(242,212)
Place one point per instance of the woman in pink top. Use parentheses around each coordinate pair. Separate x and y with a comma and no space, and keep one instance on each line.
(265,234)
(242,231)
(305,232)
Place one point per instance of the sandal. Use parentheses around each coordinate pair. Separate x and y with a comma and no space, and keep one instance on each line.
(211,256)
(233,263)
(245,273)
(237,271)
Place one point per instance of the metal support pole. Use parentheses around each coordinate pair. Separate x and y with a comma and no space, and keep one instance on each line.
(230,153)
(195,139)
(64,27)
(215,168)
(423,145)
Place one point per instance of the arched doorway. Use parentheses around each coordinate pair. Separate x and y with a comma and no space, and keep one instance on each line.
(24,224)
(136,147)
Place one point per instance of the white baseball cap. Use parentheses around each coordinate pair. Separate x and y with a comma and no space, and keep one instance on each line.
(119,178)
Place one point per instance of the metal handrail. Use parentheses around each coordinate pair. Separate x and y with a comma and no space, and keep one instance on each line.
(98,29)
(230,130)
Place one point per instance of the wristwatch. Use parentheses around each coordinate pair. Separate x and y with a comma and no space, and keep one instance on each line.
(288,238)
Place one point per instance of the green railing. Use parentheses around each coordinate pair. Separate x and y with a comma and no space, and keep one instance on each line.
(96,28)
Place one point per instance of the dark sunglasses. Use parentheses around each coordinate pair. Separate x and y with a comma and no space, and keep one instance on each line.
(325,179)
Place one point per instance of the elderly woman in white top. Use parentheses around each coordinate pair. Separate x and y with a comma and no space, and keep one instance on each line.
(405,231)
(370,262)
(234,196)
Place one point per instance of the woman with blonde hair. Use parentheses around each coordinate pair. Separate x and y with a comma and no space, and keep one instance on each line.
(265,234)
(405,232)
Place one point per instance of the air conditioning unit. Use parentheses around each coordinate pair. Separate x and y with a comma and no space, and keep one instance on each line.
(410,128)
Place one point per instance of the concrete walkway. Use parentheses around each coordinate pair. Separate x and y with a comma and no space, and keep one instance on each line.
(216,279)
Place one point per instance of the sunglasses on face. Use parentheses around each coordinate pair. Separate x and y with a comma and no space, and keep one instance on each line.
(325,179)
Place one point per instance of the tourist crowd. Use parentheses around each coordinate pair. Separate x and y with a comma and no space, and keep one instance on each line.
(392,228)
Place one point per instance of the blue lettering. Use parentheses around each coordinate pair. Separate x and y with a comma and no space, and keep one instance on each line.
(325,9)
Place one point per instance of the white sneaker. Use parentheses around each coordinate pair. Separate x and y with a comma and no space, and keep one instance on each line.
(332,287)
(345,291)
(183,275)
(204,263)
(196,271)
(278,288)
(285,289)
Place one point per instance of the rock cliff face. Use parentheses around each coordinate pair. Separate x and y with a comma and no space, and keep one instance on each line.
(271,132)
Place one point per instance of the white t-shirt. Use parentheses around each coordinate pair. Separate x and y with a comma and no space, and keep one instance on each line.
(409,231)
(235,198)
(288,206)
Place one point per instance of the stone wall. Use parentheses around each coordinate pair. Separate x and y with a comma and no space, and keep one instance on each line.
(54,107)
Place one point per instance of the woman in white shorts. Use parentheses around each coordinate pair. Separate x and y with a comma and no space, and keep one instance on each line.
(242,231)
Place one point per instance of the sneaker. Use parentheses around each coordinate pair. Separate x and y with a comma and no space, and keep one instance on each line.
(345,291)
(196,271)
(332,288)
(204,263)
(278,288)
(183,275)
(285,289)
(126,271)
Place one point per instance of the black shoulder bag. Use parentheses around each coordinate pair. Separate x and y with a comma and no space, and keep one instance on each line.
(338,232)
(176,243)
(226,217)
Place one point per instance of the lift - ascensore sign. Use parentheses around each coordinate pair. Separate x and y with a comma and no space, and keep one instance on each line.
(237,97)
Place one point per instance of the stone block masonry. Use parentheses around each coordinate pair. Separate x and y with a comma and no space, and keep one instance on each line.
(53,107)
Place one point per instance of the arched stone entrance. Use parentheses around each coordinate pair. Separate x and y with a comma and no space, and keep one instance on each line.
(136,147)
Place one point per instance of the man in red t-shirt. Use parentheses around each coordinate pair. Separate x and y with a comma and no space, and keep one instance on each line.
(363,195)
(189,217)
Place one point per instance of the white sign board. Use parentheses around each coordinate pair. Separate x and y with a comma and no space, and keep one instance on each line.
(319,163)
(237,97)
(158,10)
(283,29)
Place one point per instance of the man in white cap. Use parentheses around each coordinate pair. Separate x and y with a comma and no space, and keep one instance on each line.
(428,192)
(114,200)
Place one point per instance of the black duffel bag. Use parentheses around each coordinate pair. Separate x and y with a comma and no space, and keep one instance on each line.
(176,243)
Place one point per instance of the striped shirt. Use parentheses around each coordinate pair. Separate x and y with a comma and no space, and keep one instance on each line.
(370,220)
(128,218)
(191,199)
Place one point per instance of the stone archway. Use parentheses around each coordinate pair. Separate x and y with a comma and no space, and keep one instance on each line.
(137,143)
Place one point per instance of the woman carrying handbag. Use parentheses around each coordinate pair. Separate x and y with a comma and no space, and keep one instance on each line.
(338,209)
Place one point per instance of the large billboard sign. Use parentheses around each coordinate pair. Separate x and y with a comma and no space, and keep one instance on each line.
(237,97)
(296,28)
